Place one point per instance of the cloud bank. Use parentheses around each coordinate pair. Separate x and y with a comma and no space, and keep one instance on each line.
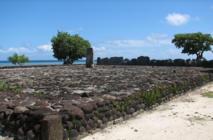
(151,45)
(34,53)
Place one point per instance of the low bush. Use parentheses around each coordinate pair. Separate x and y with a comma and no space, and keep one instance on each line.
(151,97)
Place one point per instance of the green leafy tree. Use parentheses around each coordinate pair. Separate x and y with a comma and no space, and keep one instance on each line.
(13,59)
(18,59)
(194,43)
(69,48)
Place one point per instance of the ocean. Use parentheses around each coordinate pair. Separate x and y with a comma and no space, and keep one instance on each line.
(40,62)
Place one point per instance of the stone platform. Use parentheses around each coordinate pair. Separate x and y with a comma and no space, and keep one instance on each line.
(82,99)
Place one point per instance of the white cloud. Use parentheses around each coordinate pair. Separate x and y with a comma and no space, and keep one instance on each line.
(45,48)
(33,52)
(126,43)
(40,48)
(99,49)
(152,40)
(17,50)
(158,40)
(147,46)
(177,19)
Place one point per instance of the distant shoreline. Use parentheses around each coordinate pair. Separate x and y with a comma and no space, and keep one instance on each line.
(6,63)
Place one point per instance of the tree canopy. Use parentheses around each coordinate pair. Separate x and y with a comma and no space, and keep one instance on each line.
(18,59)
(69,48)
(194,43)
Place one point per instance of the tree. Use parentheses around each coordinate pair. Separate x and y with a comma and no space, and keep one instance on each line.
(69,48)
(18,59)
(194,43)
(22,59)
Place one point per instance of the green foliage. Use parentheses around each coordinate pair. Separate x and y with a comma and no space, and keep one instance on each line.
(76,123)
(121,106)
(194,43)
(208,94)
(15,89)
(205,78)
(151,97)
(38,94)
(18,59)
(5,87)
(69,48)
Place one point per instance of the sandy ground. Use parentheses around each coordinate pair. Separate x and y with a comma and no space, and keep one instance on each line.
(189,117)
(5,138)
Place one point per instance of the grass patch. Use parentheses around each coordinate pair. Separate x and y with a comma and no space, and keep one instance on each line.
(208,94)
(38,94)
(151,97)
(5,87)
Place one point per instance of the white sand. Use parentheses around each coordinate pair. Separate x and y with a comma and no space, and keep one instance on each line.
(5,138)
(189,117)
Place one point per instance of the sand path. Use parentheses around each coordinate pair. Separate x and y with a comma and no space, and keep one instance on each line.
(189,117)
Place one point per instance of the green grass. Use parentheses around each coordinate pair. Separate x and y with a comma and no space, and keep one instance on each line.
(151,97)
(39,94)
(208,94)
(5,87)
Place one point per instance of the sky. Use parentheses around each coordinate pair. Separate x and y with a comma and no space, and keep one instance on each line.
(128,28)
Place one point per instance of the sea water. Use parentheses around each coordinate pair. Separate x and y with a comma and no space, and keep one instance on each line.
(40,62)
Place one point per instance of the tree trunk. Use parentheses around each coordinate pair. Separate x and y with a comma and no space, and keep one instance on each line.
(199,56)
(68,61)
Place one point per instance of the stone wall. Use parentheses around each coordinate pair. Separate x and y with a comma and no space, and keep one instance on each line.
(146,61)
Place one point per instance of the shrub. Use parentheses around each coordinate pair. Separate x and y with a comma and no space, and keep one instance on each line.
(151,97)
(18,59)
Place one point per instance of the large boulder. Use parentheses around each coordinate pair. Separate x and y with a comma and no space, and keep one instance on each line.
(20,109)
(88,107)
(73,111)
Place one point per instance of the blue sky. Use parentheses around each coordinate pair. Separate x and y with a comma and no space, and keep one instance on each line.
(128,28)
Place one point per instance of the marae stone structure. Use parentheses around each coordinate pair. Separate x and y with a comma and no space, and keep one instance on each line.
(84,99)
(89,58)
